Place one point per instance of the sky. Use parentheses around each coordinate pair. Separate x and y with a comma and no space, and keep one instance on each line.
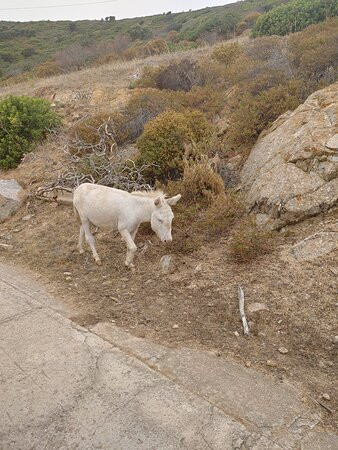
(53,10)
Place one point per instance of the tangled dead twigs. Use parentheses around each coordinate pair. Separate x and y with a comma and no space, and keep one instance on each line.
(94,163)
(121,175)
(105,142)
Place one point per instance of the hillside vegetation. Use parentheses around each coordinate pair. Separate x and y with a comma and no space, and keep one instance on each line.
(294,16)
(67,45)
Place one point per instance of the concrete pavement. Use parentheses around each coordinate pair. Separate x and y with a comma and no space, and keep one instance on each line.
(66,387)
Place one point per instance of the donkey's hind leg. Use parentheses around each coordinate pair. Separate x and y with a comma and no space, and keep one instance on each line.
(80,243)
(90,240)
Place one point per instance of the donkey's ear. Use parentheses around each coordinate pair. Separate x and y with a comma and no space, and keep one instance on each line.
(158,201)
(173,200)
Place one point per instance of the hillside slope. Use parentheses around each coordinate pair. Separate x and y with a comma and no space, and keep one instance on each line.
(24,45)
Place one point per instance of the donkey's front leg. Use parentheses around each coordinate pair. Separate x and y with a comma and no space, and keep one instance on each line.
(131,248)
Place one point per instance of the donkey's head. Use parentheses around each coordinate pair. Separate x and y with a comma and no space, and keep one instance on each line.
(162,217)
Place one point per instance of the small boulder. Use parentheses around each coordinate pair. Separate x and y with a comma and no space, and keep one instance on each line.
(10,200)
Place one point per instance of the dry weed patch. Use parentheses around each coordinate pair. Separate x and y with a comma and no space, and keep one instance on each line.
(248,242)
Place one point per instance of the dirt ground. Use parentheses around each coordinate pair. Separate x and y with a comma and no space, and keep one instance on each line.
(196,303)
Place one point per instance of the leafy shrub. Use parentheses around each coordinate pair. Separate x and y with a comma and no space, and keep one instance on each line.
(163,139)
(294,16)
(24,121)
(8,57)
(223,24)
(227,53)
(248,242)
(139,33)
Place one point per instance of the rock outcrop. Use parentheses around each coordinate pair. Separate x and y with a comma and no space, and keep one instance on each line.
(314,246)
(10,200)
(292,170)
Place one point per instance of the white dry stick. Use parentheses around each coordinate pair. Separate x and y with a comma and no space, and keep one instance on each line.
(165,262)
(241,310)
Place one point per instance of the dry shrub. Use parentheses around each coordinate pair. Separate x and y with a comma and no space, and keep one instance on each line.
(177,76)
(144,106)
(105,59)
(227,53)
(314,51)
(248,242)
(148,79)
(241,27)
(186,229)
(251,18)
(101,131)
(148,103)
(252,114)
(204,98)
(163,142)
(200,184)
(173,36)
(223,213)
(155,47)
(181,76)
(47,69)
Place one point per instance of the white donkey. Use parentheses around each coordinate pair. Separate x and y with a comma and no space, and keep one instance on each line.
(114,209)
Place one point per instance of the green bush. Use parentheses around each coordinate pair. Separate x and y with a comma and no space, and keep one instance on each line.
(294,16)
(24,121)
(163,142)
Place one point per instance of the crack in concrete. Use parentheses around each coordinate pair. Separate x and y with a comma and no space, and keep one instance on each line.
(19,315)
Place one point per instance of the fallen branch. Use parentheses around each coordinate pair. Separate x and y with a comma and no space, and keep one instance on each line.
(241,311)
(323,406)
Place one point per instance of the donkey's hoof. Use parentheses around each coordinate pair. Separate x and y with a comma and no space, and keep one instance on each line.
(98,262)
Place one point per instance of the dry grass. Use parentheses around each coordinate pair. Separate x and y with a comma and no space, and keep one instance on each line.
(114,75)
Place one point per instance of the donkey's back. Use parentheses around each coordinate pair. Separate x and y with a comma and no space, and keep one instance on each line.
(101,205)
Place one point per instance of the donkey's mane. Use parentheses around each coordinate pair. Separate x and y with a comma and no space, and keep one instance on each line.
(149,194)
